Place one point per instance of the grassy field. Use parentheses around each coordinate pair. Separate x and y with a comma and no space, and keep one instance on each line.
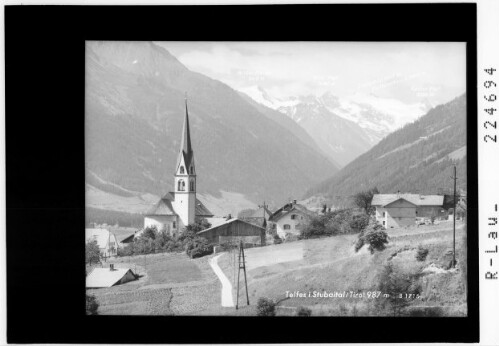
(169,284)
(331,265)
(173,284)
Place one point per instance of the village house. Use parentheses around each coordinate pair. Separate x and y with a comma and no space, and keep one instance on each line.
(400,210)
(108,277)
(106,241)
(290,218)
(234,230)
(177,209)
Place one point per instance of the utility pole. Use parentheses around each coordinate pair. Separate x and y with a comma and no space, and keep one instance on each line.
(242,265)
(264,206)
(454,222)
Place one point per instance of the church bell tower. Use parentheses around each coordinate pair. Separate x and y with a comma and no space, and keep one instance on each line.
(185,177)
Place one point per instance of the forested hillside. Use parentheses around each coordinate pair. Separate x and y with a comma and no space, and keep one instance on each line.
(134,109)
(416,159)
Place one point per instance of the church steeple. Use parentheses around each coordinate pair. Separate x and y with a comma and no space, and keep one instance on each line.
(185,177)
(186,154)
(186,133)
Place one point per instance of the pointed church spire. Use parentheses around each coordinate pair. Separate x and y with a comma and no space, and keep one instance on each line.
(186,133)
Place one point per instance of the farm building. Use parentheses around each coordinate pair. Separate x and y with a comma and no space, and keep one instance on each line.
(107,242)
(107,277)
(233,231)
(290,218)
(400,210)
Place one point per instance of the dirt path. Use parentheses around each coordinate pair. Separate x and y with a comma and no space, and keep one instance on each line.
(227,300)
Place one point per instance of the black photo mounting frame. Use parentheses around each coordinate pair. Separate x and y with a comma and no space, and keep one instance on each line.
(45,161)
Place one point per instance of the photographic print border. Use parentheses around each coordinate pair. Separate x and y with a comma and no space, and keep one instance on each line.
(45,83)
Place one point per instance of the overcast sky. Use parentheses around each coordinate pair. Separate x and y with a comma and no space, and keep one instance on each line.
(399,70)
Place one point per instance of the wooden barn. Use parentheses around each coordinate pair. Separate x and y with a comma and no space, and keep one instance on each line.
(233,231)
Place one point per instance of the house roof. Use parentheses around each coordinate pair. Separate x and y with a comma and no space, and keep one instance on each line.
(165,207)
(103,277)
(201,209)
(216,221)
(288,208)
(226,223)
(418,200)
(101,235)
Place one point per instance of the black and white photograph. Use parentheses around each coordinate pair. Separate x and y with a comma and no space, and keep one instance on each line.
(278,178)
(200,173)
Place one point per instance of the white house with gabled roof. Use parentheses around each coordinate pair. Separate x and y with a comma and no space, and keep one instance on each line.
(401,210)
(290,218)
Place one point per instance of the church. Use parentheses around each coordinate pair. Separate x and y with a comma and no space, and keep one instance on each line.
(177,209)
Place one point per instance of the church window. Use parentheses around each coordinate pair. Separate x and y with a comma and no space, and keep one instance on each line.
(174,224)
(192,186)
(192,170)
(287,226)
(181,185)
(182,170)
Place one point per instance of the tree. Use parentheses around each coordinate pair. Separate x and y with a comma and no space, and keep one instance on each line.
(363,200)
(92,252)
(374,236)
(265,307)
(194,245)
(92,305)
(190,231)
(149,232)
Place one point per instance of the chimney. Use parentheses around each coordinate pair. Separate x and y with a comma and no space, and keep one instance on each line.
(294,201)
(398,193)
(111,266)
(228,217)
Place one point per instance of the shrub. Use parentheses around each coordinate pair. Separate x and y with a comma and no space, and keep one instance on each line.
(92,252)
(92,305)
(359,222)
(421,253)
(374,236)
(341,221)
(265,307)
(303,311)
(198,247)
(393,282)
(149,233)
(277,239)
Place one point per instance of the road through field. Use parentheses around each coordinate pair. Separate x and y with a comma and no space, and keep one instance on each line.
(227,300)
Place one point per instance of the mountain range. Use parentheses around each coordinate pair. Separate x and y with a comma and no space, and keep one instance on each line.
(134,108)
(418,158)
(344,128)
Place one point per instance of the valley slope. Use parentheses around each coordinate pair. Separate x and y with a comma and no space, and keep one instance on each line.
(134,109)
(416,159)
